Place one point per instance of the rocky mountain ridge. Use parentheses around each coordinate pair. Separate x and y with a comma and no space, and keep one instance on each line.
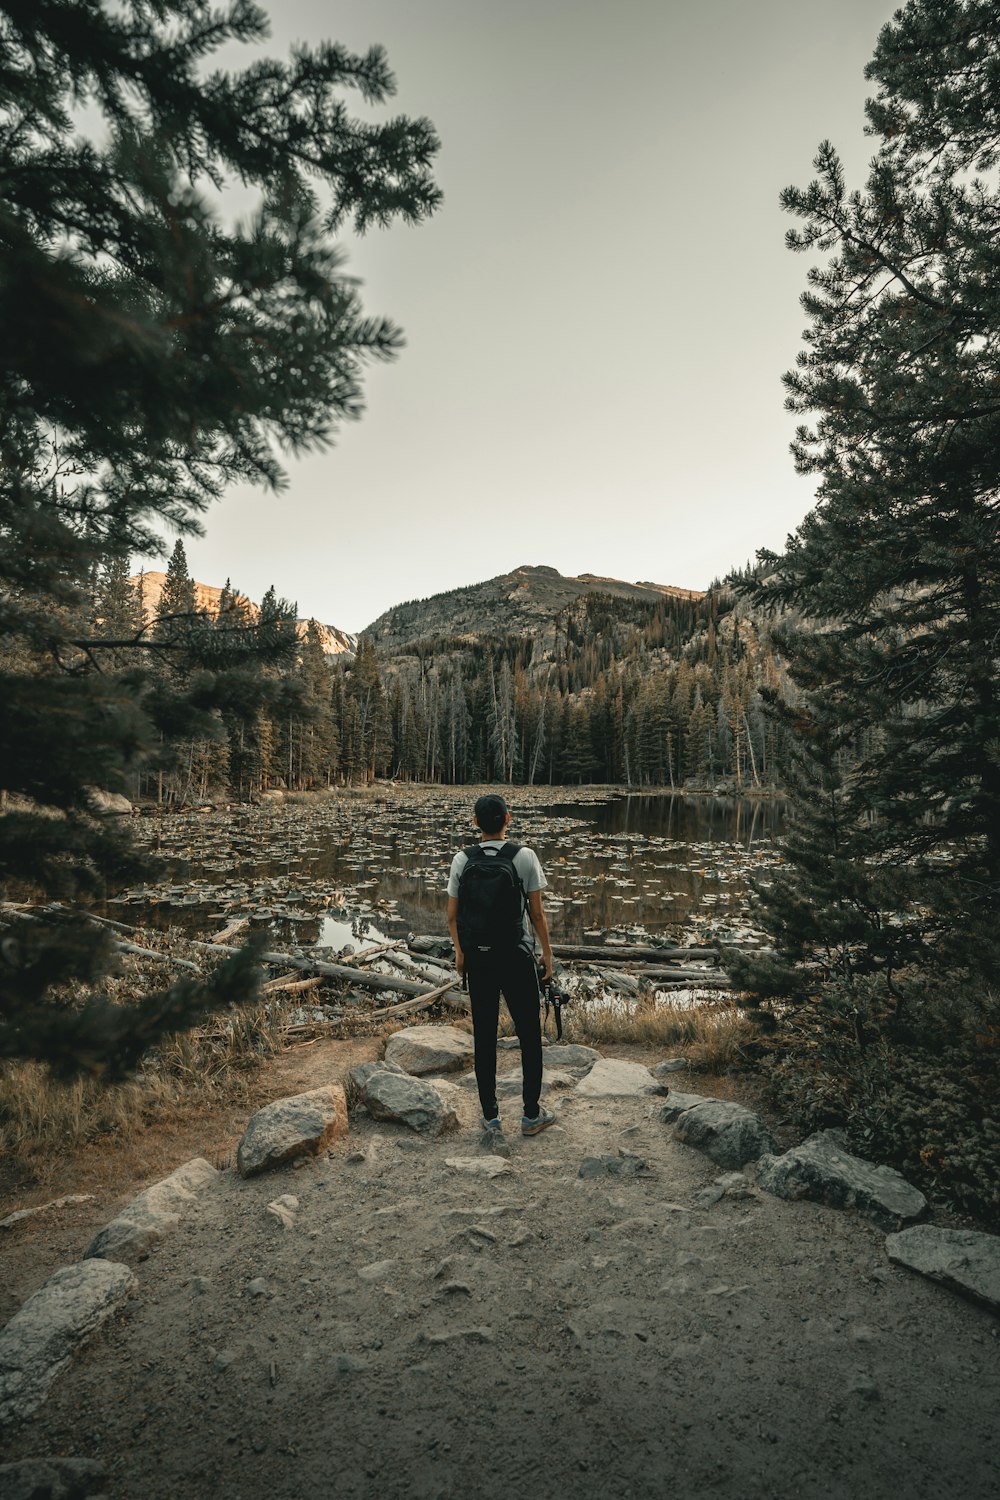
(524,601)
(335,642)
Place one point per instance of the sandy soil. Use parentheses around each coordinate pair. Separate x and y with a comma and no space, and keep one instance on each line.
(424,1333)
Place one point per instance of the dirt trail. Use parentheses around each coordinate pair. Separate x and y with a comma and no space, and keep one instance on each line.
(423,1333)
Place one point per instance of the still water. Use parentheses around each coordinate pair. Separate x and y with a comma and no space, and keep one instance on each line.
(667,865)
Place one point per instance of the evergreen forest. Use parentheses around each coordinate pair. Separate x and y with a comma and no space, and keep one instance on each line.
(663,694)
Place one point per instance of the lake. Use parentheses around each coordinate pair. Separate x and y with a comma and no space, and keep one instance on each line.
(376,862)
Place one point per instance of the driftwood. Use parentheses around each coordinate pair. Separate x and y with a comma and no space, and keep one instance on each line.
(620,953)
(233,930)
(290,986)
(368,953)
(407,1007)
(332,971)
(650,971)
(160,958)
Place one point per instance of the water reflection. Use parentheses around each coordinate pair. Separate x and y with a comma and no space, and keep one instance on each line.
(669,865)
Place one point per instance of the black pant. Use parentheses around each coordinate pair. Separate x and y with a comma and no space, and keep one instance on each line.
(517,977)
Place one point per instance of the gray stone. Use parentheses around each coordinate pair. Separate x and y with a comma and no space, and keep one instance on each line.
(669,1065)
(625,1164)
(820,1169)
(510,1085)
(677,1103)
(570,1055)
(729,1134)
(300,1125)
(52,1479)
(390,1094)
(430,1049)
(612,1078)
(152,1214)
(41,1338)
(479,1166)
(966,1260)
(257,1288)
(377,1270)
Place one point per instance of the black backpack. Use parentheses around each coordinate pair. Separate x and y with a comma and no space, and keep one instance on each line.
(491,903)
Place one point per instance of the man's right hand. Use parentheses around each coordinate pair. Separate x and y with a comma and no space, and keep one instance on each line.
(460,963)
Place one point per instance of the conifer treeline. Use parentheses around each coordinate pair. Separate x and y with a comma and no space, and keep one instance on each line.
(659,693)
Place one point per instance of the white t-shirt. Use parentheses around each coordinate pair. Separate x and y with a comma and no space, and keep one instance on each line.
(528,868)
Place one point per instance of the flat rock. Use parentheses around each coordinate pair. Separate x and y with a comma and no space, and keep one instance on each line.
(625,1164)
(821,1169)
(510,1086)
(612,1078)
(41,1338)
(300,1125)
(729,1134)
(52,1479)
(677,1103)
(569,1055)
(966,1260)
(154,1213)
(284,1209)
(480,1166)
(390,1094)
(430,1049)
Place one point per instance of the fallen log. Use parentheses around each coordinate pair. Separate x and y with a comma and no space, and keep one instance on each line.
(160,958)
(408,1007)
(650,971)
(290,986)
(367,953)
(621,953)
(233,930)
(331,971)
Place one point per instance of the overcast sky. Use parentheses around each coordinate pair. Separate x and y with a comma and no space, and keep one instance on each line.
(597,318)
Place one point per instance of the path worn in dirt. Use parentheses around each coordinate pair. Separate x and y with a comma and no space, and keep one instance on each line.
(426,1334)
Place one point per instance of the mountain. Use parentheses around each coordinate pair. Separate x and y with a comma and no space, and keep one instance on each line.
(527,602)
(335,642)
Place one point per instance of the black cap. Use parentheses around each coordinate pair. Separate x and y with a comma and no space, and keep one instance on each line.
(490,812)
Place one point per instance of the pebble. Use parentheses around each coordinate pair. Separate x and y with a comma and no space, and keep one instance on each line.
(257,1287)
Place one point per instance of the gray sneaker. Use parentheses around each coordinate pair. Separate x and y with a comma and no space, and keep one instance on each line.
(542,1120)
(493,1138)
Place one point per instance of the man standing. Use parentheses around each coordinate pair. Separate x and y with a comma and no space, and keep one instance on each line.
(494,914)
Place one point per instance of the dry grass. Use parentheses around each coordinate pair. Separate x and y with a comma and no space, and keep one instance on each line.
(187,1071)
(711,1035)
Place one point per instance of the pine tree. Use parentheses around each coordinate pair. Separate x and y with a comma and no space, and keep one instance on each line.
(153,354)
(895,576)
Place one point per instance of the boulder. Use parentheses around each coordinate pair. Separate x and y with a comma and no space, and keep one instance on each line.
(52,1479)
(669,1065)
(678,1103)
(40,1339)
(966,1260)
(390,1094)
(430,1049)
(300,1125)
(822,1170)
(152,1214)
(510,1086)
(611,1078)
(570,1055)
(729,1134)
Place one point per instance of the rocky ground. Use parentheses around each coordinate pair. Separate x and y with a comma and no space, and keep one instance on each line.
(418,1329)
